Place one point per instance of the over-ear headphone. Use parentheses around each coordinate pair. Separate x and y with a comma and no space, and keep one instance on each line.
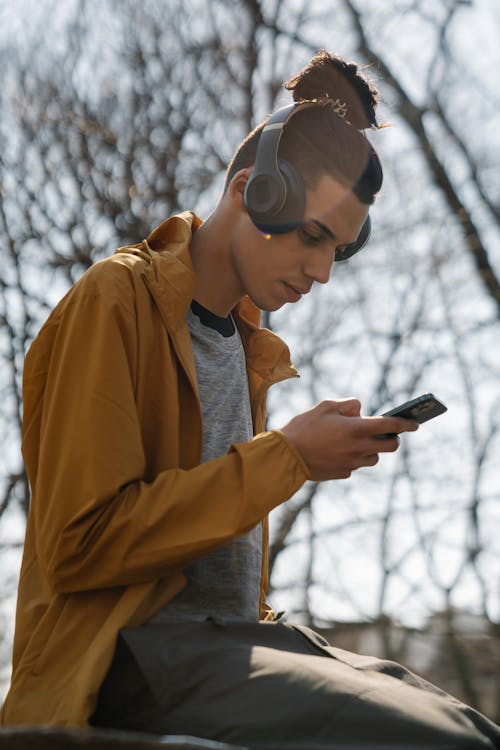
(275,194)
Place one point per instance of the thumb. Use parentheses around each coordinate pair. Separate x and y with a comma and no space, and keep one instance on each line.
(349,407)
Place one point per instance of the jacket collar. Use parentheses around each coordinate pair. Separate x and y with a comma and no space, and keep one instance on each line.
(171,279)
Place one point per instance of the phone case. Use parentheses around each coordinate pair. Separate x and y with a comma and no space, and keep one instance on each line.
(421,408)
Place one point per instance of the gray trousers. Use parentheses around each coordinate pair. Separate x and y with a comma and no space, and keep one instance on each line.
(274,686)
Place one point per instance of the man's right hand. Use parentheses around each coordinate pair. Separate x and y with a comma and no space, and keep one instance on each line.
(334,440)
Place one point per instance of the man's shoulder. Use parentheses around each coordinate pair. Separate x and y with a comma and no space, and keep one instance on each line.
(125,261)
(125,280)
(165,247)
(116,276)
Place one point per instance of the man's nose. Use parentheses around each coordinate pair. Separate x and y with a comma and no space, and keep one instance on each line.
(319,265)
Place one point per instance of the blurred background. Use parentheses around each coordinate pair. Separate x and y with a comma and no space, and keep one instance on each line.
(116,113)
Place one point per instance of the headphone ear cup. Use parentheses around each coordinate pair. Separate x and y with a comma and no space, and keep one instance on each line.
(276,202)
(292,211)
(354,247)
(264,196)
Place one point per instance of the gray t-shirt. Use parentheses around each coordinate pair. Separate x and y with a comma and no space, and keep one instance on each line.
(225,582)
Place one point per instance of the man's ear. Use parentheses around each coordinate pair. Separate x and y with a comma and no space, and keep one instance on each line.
(236,187)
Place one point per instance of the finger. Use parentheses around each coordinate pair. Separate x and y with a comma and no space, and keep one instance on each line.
(348,407)
(363,461)
(389,425)
(387,443)
(371,460)
(407,425)
(344,473)
(341,472)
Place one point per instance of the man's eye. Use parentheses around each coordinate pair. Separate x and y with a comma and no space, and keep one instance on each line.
(310,237)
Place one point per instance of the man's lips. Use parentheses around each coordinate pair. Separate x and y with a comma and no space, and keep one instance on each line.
(294,292)
(298,289)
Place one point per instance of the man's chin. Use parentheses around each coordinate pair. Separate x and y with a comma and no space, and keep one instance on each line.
(267,307)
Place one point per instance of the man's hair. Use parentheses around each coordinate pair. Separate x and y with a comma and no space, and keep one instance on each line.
(327,139)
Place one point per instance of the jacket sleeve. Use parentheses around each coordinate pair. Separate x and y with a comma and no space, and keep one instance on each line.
(98,523)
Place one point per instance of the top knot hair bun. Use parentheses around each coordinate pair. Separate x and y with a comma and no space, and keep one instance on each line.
(333,81)
(327,139)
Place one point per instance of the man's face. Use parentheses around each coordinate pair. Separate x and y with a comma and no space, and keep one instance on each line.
(277,269)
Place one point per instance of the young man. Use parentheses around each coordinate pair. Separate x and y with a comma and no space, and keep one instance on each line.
(142,593)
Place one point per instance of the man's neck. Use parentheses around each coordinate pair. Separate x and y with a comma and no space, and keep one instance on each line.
(217,289)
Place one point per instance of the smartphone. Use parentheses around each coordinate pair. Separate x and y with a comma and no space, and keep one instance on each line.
(420,408)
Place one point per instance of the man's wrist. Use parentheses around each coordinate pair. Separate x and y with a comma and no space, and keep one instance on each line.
(292,447)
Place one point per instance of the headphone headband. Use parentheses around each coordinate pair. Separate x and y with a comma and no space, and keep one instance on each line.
(275,194)
(266,160)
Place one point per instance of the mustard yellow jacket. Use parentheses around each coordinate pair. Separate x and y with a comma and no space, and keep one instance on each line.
(112,443)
